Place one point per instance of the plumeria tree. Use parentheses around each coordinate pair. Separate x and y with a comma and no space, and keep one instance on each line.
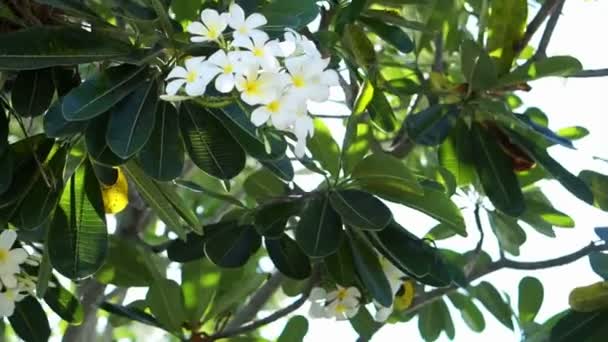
(157,159)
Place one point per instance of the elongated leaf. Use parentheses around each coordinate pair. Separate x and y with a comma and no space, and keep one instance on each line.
(491,299)
(271,219)
(598,183)
(361,209)
(431,126)
(56,126)
(162,157)
(64,304)
(355,39)
(580,326)
(508,232)
(430,321)
(125,265)
(290,14)
(540,210)
(4,130)
(381,112)
(478,68)
(386,176)
(324,148)
(132,120)
(97,146)
(167,304)
(263,185)
(32,92)
(496,172)
(364,324)
(530,298)
(288,257)
(282,168)
(97,95)
(48,46)
(319,231)
(369,269)
(222,196)
(456,154)
(153,195)
(357,145)
(295,330)
(389,33)
(471,315)
(506,26)
(131,313)
(29,321)
(551,66)
(599,264)
(209,144)
(341,267)
(199,281)
(232,246)
(78,237)
(189,250)
(7,165)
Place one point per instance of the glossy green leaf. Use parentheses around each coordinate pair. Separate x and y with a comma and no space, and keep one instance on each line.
(263,185)
(430,321)
(580,326)
(100,93)
(189,250)
(440,232)
(491,299)
(282,168)
(389,33)
(573,132)
(199,281)
(29,321)
(598,183)
(355,39)
(506,26)
(382,113)
(471,315)
(162,157)
(7,165)
(78,239)
(324,148)
(288,257)
(360,209)
(478,68)
(197,188)
(431,126)
(369,269)
(56,126)
(551,66)
(167,304)
(64,304)
(357,146)
(97,146)
(181,207)
(295,330)
(32,92)
(599,264)
(386,176)
(456,154)
(271,218)
(125,265)
(508,232)
(50,46)
(131,313)
(364,324)
(319,231)
(496,172)
(530,298)
(232,246)
(294,14)
(209,144)
(539,210)
(341,267)
(132,120)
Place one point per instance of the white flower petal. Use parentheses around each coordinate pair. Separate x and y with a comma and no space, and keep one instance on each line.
(259,35)
(210,17)
(7,238)
(194,63)
(219,58)
(196,88)
(7,307)
(330,78)
(8,279)
(199,39)
(237,16)
(317,293)
(196,27)
(224,83)
(173,86)
(316,311)
(256,20)
(260,116)
(177,72)
(243,42)
(300,149)
(319,93)
(353,292)
(351,312)
(382,314)
(18,255)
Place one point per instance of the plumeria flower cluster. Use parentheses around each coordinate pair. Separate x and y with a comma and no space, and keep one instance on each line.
(344,302)
(15,284)
(278,78)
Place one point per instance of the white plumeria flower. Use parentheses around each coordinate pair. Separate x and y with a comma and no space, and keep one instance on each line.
(382,312)
(246,28)
(258,88)
(210,29)
(343,303)
(317,300)
(297,45)
(261,51)
(304,128)
(392,273)
(309,79)
(10,259)
(228,66)
(280,111)
(8,298)
(195,76)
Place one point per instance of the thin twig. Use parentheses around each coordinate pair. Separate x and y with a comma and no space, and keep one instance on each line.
(541,52)
(545,10)
(329,116)
(438,60)
(470,267)
(591,73)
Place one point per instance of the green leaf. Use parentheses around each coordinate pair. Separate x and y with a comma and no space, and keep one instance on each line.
(551,66)
(324,148)
(97,146)
(179,205)
(369,269)
(167,304)
(209,144)
(448,324)
(153,194)
(162,157)
(288,257)
(598,183)
(530,298)
(573,132)
(130,312)
(185,10)
(64,304)
(56,126)
(430,321)
(431,126)
(539,210)
(319,231)
(386,176)
(340,266)
(478,68)
(294,14)
(440,232)
(295,330)
(199,281)
(382,113)
(263,185)
(32,92)
(599,264)
(282,168)
(364,324)
(100,93)
(132,120)
(222,196)
(508,232)
(355,40)
(44,273)
(358,145)
(29,321)
(456,154)
(506,26)
(389,33)
(580,326)
(6,164)
(50,46)
(360,209)
(78,238)
(232,246)
(4,130)
(575,185)
(469,311)
(193,248)
(125,265)
(271,218)
(491,299)
(496,172)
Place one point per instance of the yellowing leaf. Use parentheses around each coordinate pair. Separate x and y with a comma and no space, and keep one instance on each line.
(589,298)
(116,196)
(405,295)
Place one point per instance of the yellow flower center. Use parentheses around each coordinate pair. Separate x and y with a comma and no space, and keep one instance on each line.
(243,29)
(258,52)
(340,308)
(212,32)
(228,69)
(191,76)
(4,255)
(342,294)
(298,81)
(251,87)
(274,107)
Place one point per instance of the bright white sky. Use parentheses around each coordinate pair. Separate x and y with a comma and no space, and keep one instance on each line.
(567,103)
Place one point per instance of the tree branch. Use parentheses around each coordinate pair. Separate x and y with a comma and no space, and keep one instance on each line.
(433,295)
(591,73)
(545,10)
(541,52)
(473,262)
